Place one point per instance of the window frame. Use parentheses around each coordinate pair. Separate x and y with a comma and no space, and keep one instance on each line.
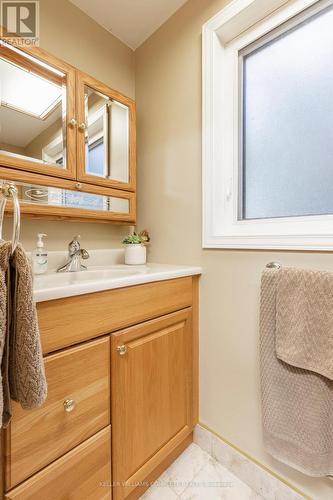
(240,24)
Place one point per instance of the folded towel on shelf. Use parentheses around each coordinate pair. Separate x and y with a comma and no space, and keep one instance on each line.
(22,366)
(297,404)
(304,319)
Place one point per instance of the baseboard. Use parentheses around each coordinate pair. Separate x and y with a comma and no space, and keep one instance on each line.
(257,477)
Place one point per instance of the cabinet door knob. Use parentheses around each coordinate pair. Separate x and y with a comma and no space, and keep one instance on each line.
(82,126)
(78,185)
(73,122)
(121,350)
(69,405)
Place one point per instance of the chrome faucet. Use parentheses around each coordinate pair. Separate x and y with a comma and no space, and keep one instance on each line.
(75,254)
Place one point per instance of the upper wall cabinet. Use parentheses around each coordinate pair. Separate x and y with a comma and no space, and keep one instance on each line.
(37,113)
(63,129)
(106,135)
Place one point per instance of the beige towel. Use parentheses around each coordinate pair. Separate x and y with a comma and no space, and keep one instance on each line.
(22,362)
(304,319)
(297,405)
(5,304)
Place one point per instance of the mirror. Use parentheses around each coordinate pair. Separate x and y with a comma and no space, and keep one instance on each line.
(32,108)
(57,197)
(106,136)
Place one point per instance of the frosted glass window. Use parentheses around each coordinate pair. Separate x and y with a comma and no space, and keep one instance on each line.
(287,116)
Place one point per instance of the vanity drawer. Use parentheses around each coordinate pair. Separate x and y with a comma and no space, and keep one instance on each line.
(37,437)
(68,321)
(84,472)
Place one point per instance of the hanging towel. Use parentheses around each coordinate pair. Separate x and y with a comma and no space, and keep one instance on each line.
(304,319)
(5,314)
(22,367)
(297,404)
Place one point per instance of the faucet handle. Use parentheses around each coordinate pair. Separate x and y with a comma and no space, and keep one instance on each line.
(74,246)
(84,254)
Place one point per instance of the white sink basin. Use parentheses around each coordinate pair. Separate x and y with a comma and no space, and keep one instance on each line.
(92,274)
(97,278)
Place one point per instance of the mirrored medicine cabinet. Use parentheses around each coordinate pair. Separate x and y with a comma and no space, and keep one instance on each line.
(65,138)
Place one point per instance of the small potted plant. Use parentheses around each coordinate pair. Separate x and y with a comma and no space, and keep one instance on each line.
(135,248)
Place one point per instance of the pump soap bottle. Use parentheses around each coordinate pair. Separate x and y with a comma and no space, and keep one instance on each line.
(39,256)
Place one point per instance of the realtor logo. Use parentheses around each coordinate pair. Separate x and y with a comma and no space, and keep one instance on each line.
(20,22)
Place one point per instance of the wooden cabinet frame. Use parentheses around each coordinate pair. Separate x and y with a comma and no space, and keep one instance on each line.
(83,79)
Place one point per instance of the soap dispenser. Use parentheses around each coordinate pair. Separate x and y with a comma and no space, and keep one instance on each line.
(39,257)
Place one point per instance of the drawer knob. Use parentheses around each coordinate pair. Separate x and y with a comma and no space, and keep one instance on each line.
(69,405)
(121,350)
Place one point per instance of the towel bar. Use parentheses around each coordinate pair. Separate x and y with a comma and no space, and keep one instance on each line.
(273,265)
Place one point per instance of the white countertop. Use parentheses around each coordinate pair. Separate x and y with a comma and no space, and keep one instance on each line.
(104,277)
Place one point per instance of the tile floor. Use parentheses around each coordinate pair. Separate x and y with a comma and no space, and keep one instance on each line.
(195,475)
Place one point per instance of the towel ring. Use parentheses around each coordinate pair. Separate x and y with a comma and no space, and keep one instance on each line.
(8,190)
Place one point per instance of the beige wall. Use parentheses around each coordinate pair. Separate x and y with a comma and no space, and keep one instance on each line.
(68,33)
(168,94)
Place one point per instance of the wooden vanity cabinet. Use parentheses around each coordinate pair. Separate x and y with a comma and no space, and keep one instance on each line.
(133,351)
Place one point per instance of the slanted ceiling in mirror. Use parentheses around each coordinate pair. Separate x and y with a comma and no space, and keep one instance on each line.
(33,98)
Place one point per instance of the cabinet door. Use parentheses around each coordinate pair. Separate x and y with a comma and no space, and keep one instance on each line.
(106,144)
(37,112)
(151,395)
